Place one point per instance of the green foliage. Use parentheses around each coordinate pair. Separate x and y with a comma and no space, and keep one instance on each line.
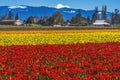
(115,17)
(10,15)
(30,20)
(17,17)
(3,77)
(46,78)
(43,20)
(88,20)
(104,11)
(95,15)
(117,78)
(57,18)
(76,19)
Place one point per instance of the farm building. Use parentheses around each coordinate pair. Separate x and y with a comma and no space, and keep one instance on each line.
(100,23)
(11,22)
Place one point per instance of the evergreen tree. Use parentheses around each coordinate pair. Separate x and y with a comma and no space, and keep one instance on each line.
(104,12)
(112,18)
(115,18)
(88,20)
(76,19)
(95,15)
(10,15)
(17,17)
(30,20)
(73,20)
(94,18)
(50,20)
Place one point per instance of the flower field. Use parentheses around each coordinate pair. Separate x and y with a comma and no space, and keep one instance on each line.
(58,37)
(60,55)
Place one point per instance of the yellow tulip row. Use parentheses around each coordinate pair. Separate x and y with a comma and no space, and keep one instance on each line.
(57,31)
(36,38)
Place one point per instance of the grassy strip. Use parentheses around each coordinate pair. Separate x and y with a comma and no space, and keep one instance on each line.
(12,28)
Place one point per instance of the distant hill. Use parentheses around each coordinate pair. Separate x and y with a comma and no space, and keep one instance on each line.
(26,11)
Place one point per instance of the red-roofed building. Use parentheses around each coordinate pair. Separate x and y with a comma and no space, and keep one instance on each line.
(11,22)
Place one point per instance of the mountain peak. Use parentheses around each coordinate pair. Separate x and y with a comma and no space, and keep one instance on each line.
(58,6)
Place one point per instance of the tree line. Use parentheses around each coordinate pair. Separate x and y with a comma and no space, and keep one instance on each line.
(58,19)
(78,20)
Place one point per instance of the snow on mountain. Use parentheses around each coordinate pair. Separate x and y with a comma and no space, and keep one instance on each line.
(58,6)
(14,7)
(71,11)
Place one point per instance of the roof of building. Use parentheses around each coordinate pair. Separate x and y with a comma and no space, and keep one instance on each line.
(100,22)
(7,20)
(10,21)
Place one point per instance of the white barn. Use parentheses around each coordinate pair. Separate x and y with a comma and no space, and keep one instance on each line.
(100,23)
(18,22)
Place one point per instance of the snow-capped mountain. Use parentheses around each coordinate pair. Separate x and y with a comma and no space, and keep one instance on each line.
(26,11)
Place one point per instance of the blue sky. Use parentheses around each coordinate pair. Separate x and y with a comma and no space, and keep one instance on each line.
(79,4)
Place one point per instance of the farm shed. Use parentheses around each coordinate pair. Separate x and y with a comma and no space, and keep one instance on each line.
(100,23)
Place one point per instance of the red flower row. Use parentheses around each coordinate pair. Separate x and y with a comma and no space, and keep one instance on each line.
(61,62)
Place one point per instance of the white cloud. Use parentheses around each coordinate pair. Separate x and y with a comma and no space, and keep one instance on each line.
(58,6)
(13,7)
